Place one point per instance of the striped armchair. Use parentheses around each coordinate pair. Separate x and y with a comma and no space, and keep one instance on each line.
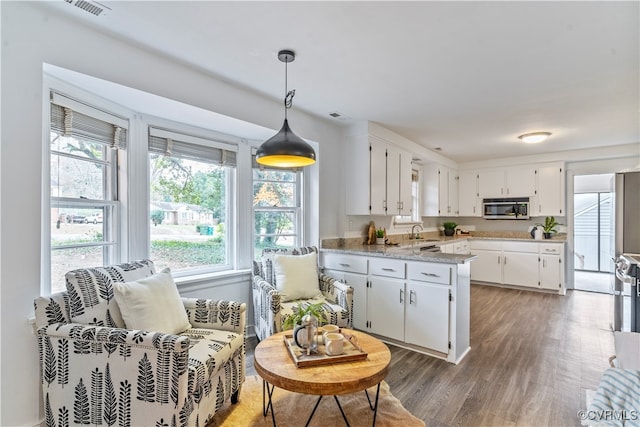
(269,308)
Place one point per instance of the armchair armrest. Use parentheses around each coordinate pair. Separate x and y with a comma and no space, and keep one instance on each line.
(337,292)
(216,314)
(266,307)
(89,336)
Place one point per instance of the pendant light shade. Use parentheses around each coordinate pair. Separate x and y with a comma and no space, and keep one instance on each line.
(286,149)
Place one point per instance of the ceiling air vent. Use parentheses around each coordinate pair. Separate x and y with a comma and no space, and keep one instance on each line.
(93,7)
(338,115)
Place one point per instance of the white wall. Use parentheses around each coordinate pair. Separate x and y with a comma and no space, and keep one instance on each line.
(31,35)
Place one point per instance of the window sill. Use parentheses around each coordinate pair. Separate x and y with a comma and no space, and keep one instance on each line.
(218,276)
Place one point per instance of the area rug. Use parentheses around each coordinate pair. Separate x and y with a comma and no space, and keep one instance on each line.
(293,409)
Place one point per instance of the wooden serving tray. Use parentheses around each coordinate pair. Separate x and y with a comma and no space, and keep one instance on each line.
(302,360)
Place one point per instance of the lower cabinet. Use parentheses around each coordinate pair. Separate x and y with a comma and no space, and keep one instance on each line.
(409,303)
(519,263)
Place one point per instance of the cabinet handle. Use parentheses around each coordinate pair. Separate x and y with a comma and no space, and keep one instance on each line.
(498,259)
(345,264)
(544,263)
(505,260)
(430,274)
(388,269)
(549,250)
(411,293)
(401,296)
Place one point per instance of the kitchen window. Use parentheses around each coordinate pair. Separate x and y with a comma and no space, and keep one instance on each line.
(414,218)
(191,202)
(277,209)
(85,144)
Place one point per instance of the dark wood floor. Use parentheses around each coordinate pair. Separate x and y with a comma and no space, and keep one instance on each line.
(532,357)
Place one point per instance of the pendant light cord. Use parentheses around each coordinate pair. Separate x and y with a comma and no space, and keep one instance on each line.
(288,98)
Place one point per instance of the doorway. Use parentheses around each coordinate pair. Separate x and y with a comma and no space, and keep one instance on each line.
(593,232)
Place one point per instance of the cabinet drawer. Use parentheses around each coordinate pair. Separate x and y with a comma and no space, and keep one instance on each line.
(486,245)
(349,263)
(387,267)
(429,272)
(512,246)
(551,248)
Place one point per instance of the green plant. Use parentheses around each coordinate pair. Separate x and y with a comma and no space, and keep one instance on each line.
(301,310)
(549,225)
(450,225)
(380,233)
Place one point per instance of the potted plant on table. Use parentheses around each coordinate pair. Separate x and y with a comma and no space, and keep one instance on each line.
(380,236)
(449,228)
(301,310)
(549,226)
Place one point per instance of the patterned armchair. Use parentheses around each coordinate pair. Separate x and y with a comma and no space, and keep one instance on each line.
(271,308)
(95,371)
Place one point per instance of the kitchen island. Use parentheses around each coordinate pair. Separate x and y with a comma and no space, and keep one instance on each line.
(406,296)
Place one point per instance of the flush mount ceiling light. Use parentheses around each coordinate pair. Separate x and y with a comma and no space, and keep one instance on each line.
(286,149)
(534,137)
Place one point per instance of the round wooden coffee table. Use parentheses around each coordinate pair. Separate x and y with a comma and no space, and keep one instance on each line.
(275,365)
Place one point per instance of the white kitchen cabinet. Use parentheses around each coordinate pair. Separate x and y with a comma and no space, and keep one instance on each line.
(469,203)
(378,179)
(427,315)
(510,182)
(351,270)
(385,301)
(455,247)
(488,265)
(551,266)
(520,263)
(550,191)
(439,191)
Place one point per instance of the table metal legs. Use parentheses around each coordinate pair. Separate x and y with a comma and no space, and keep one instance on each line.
(267,391)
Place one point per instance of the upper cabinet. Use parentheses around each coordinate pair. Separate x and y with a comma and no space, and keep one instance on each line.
(469,203)
(439,191)
(510,182)
(378,179)
(550,191)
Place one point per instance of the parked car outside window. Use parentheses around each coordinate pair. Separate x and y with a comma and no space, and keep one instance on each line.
(79,219)
(95,218)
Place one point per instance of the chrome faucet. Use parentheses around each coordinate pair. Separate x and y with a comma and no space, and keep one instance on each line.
(414,235)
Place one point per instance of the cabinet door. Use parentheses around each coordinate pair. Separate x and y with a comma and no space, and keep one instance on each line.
(378,178)
(385,303)
(521,181)
(447,249)
(487,267)
(359,284)
(468,204)
(452,193)
(491,183)
(393,181)
(550,191)
(520,269)
(430,190)
(427,316)
(406,201)
(444,209)
(551,272)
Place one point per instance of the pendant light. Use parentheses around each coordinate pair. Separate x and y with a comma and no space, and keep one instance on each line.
(286,149)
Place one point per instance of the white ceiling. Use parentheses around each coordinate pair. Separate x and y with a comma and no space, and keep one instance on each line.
(467,77)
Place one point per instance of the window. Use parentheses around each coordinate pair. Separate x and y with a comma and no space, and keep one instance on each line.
(414,218)
(277,208)
(191,187)
(83,149)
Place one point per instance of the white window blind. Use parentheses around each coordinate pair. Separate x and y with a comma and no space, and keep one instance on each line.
(73,118)
(174,144)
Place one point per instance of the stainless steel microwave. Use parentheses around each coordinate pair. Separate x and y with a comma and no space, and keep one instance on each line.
(509,208)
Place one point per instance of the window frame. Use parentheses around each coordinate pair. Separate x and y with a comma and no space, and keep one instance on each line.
(298,210)
(99,108)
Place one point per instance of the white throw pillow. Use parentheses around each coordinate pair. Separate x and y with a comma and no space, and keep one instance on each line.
(152,304)
(297,276)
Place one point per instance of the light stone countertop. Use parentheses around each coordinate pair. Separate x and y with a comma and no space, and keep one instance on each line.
(404,251)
